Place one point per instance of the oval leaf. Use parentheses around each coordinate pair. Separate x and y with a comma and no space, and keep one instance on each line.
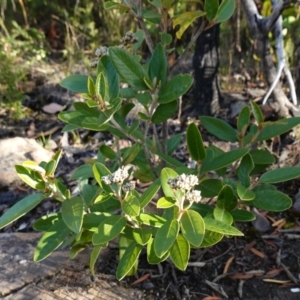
(225,11)
(280,175)
(72,213)
(241,215)
(271,200)
(223,160)
(128,259)
(76,83)
(223,215)
(192,227)
(128,68)
(165,237)
(109,229)
(51,240)
(175,88)
(220,227)
(21,208)
(219,128)
(180,253)
(195,143)
(164,112)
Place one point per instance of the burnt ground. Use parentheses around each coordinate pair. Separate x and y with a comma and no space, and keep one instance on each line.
(264,266)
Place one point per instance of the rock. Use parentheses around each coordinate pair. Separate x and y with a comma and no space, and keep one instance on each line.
(15,151)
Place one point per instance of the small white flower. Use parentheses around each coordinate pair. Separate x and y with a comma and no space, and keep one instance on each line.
(119,176)
(102,50)
(183,181)
(128,186)
(94,64)
(107,179)
(194,196)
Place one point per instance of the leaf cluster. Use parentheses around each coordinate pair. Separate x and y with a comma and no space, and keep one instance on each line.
(109,207)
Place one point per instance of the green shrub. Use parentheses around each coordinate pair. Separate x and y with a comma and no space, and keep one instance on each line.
(109,206)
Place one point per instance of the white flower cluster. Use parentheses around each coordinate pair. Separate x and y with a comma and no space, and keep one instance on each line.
(117,177)
(194,196)
(102,50)
(183,181)
(129,38)
(186,182)
(128,186)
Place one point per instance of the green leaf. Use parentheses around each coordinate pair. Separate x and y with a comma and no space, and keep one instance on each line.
(180,253)
(165,237)
(211,238)
(184,20)
(92,220)
(244,169)
(195,143)
(280,175)
(173,142)
(111,76)
(225,11)
(166,202)
(244,193)
(151,255)
(109,229)
(93,258)
(164,112)
(107,152)
(211,9)
(31,177)
(142,235)
(167,3)
(151,220)
(128,68)
(151,16)
(175,88)
(166,38)
(46,221)
(91,87)
(223,215)
(258,115)
(158,64)
(262,157)
(114,5)
(203,209)
(149,194)
(128,259)
(219,128)
(167,174)
(220,227)
(279,127)
(21,208)
(72,213)
(51,240)
(99,171)
(83,172)
(225,197)
(271,200)
(223,160)
(241,215)
(210,187)
(243,120)
(130,154)
(76,83)
(131,205)
(192,227)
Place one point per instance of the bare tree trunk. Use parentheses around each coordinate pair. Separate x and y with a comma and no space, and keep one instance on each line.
(259,28)
(207,94)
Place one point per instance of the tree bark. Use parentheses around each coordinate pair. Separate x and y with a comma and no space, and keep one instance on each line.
(207,96)
(259,28)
